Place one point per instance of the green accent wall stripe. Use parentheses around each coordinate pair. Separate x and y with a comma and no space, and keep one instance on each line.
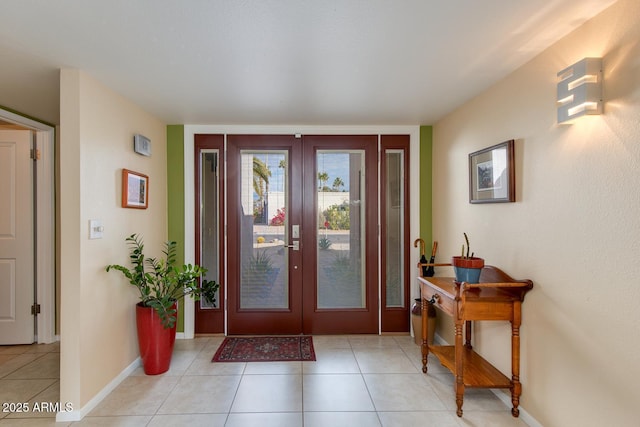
(175,197)
(426,182)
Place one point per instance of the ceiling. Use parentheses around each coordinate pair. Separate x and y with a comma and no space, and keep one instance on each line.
(313,62)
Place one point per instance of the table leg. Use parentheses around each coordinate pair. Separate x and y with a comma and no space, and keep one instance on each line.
(516,387)
(459,386)
(425,333)
(467,334)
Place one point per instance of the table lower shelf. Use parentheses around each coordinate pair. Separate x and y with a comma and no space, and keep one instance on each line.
(476,371)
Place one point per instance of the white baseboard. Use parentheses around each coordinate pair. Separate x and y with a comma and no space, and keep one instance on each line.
(438,339)
(77,415)
(48,339)
(524,415)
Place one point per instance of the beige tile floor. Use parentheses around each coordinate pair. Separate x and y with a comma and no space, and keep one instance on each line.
(356,381)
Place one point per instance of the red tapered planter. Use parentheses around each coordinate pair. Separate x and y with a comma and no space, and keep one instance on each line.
(154,340)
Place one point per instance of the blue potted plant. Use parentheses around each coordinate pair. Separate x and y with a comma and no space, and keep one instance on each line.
(466,267)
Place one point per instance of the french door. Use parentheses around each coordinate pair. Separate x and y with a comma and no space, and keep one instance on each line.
(340,235)
(302,234)
(301,252)
(265,261)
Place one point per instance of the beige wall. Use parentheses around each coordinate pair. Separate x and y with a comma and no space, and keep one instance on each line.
(574,229)
(98,336)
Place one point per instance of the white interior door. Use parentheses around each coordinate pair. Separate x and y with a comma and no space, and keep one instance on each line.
(16,238)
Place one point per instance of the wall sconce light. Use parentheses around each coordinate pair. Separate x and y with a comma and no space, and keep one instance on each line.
(580,90)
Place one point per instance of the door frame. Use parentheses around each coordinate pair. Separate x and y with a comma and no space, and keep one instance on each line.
(189,132)
(45,222)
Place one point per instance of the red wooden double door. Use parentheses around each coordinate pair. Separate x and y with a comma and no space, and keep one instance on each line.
(308,233)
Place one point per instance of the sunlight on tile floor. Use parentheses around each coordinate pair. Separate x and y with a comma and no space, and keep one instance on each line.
(355,381)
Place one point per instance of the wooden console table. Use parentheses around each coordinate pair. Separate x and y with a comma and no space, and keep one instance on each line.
(496,297)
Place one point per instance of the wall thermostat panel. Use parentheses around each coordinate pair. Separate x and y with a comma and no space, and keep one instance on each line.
(142,145)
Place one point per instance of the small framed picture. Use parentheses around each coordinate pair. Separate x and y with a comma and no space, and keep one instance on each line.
(135,190)
(491,174)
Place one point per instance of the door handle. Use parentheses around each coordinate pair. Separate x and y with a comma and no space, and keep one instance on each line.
(295,245)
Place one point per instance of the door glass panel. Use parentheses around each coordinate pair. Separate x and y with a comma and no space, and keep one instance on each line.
(264,282)
(210,220)
(340,224)
(394,217)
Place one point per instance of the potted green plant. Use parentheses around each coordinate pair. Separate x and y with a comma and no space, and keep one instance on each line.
(467,268)
(161,285)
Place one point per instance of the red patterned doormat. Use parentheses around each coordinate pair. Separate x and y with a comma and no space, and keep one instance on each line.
(265,349)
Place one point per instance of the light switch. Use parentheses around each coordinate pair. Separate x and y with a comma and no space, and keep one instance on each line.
(95,229)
